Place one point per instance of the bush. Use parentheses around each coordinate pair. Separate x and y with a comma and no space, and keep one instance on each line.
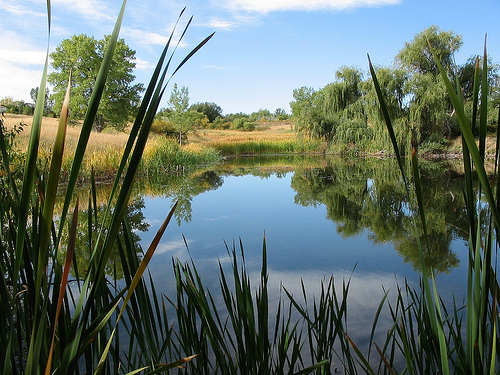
(249,126)
(165,128)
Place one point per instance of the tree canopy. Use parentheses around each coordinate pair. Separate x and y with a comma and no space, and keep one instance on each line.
(209,109)
(82,56)
(346,112)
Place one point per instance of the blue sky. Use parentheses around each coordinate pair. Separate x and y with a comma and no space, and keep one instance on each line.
(262,49)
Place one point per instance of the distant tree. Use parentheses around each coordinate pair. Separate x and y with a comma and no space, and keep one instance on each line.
(261,115)
(280,114)
(16,106)
(466,74)
(347,112)
(82,55)
(209,109)
(431,112)
(179,99)
(306,111)
(6,100)
(49,103)
(179,103)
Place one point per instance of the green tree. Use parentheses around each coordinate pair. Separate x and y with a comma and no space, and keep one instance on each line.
(306,111)
(49,103)
(179,103)
(261,115)
(280,114)
(417,57)
(209,109)
(431,113)
(82,56)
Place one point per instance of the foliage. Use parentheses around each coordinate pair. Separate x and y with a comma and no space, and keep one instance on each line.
(346,112)
(17,106)
(81,56)
(211,110)
(417,57)
(50,325)
(242,123)
(48,104)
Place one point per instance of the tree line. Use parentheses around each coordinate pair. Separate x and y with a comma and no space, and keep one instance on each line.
(79,57)
(346,112)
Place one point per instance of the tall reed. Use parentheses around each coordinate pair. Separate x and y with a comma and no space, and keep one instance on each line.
(432,337)
(50,324)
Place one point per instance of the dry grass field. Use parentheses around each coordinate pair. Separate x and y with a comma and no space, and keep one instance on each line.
(97,142)
(104,149)
(281,132)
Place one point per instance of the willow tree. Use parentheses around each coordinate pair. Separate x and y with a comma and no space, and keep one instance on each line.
(431,112)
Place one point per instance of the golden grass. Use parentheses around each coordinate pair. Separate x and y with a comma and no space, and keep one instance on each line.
(98,141)
(104,149)
(274,133)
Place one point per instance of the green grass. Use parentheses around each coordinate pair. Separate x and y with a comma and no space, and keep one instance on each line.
(256,147)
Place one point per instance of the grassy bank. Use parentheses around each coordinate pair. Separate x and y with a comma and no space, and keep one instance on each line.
(105,150)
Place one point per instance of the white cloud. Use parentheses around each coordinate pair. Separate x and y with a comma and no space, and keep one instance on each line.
(222,24)
(141,64)
(176,247)
(17,80)
(92,9)
(17,9)
(145,38)
(266,6)
(20,67)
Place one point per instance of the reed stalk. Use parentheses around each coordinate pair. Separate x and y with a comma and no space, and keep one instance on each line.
(50,324)
(432,337)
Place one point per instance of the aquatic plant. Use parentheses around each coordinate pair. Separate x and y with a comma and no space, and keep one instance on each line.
(55,317)
(432,337)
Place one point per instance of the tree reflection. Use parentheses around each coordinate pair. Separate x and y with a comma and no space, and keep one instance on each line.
(85,238)
(360,196)
(182,188)
(368,195)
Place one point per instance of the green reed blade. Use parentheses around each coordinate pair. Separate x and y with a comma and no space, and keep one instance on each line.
(431,306)
(138,275)
(154,83)
(29,172)
(375,320)
(483,109)
(471,144)
(311,368)
(51,190)
(88,121)
(388,121)
(64,283)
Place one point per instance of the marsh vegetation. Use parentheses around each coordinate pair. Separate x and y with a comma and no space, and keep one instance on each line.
(66,313)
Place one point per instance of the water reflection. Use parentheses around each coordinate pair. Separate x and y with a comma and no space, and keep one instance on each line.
(360,195)
(368,195)
(88,229)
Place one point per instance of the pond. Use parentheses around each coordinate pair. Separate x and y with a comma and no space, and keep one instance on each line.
(343,217)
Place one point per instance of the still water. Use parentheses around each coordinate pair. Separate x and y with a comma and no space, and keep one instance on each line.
(347,218)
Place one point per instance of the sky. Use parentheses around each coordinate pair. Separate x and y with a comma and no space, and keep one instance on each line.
(261,51)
